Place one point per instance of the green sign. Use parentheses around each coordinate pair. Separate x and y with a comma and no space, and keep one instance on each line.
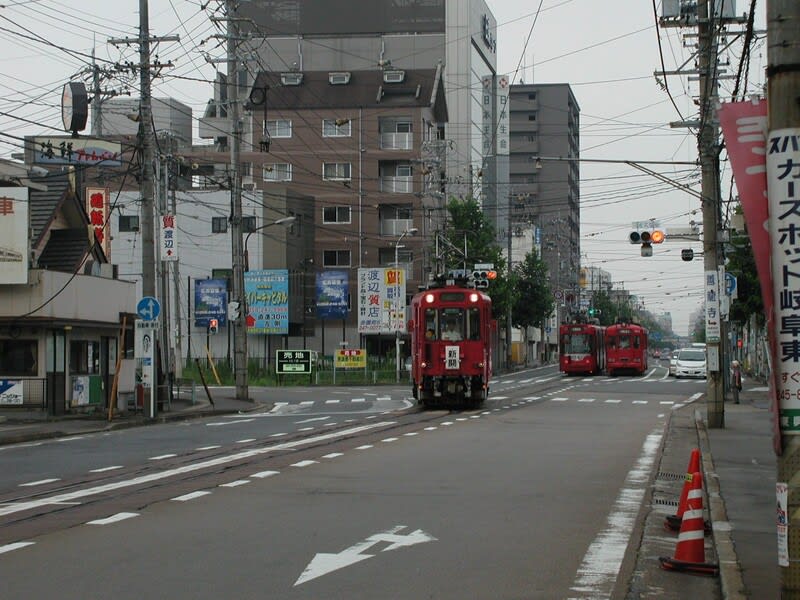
(294,362)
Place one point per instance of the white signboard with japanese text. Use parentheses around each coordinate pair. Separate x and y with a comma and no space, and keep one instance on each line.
(452,357)
(712,307)
(11,392)
(381,300)
(169,242)
(783,185)
(13,235)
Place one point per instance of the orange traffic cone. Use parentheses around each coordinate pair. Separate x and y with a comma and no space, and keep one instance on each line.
(690,553)
(673,522)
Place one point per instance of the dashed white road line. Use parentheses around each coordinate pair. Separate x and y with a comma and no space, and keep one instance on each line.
(389,440)
(613,401)
(264,474)
(364,447)
(162,456)
(113,518)
(40,482)
(333,455)
(639,402)
(237,483)
(561,399)
(104,469)
(202,448)
(14,546)
(586,400)
(190,496)
(304,463)
(246,441)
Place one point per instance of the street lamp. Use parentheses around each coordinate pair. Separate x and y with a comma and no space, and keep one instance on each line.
(397,320)
(281,221)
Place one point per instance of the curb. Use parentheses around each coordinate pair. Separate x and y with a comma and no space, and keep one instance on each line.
(730,570)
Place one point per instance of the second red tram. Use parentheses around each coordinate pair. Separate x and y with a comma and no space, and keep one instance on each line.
(626,349)
(582,349)
(451,345)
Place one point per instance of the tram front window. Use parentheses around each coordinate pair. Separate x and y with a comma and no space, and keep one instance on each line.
(452,320)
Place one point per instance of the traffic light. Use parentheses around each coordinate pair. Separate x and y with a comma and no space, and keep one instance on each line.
(482,277)
(594,312)
(647,236)
(213,326)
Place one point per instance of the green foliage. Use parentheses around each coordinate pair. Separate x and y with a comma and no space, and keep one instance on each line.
(743,266)
(534,298)
(468,224)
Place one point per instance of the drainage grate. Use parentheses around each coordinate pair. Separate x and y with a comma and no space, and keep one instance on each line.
(670,476)
(664,502)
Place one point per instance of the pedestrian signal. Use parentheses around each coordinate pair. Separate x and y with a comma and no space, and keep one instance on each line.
(213,326)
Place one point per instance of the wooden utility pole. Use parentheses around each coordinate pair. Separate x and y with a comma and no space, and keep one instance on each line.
(783,157)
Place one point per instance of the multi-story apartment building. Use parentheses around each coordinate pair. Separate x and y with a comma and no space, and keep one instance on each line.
(545,174)
(308,36)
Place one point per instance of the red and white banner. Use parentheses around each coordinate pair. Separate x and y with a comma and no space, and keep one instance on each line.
(97,207)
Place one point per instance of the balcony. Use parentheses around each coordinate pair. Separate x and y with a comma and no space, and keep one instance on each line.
(397,141)
(395,227)
(397,185)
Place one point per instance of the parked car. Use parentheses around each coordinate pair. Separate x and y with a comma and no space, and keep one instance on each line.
(691,362)
(673,362)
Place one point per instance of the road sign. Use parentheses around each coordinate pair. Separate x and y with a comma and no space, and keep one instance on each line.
(148,308)
(483,266)
(294,362)
(731,285)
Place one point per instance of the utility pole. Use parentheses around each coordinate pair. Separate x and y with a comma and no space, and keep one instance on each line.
(783,91)
(707,145)
(235,178)
(509,311)
(146,147)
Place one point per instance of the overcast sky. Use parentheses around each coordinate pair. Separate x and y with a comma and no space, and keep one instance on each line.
(607,52)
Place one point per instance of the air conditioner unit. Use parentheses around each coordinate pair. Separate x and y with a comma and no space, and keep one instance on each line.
(394,76)
(341,78)
(291,78)
(248,187)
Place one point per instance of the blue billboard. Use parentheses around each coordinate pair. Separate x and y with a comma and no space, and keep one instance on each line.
(332,295)
(210,301)
(267,295)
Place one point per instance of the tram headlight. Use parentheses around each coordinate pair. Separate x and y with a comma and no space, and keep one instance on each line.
(423,365)
(473,297)
(428,298)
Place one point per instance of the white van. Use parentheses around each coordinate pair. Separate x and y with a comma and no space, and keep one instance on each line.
(691,362)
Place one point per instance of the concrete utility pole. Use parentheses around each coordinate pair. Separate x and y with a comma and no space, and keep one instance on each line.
(707,145)
(783,94)
(235,178)
(146,148)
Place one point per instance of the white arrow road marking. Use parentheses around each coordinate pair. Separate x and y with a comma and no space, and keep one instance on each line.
(324,563)
(278,406)
(190,468)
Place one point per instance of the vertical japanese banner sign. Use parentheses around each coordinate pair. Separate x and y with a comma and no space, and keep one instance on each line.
(380,300)
(169,243)
(98,207)
(332,292)
(783,184)
(744,125)
(13,235)
(782,497)
(712,307)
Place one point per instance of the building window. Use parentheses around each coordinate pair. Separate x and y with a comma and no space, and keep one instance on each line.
(336,214)
(18,358)
(219,224)
(279,128)
(336,258)
(128,223)
(247,169)
(532,117)
(336,171)
(278,172)
(248,224)
(532,96)
(84,357)
(336,128)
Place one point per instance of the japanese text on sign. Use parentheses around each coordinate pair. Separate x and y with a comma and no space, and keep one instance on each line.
(783,184)
(267,296)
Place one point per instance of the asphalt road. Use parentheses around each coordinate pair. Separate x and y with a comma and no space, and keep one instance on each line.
(535,496)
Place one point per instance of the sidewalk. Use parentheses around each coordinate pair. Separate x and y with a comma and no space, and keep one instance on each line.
(739,474)
(16,427)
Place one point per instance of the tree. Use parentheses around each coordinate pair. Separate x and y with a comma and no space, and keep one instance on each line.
(470,227)
(534,298)
(742,264)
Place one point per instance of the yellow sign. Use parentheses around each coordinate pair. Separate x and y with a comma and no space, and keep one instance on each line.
(355,358)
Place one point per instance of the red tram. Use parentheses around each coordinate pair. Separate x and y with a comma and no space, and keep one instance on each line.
(626,348)
(451,345)
(583,349)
